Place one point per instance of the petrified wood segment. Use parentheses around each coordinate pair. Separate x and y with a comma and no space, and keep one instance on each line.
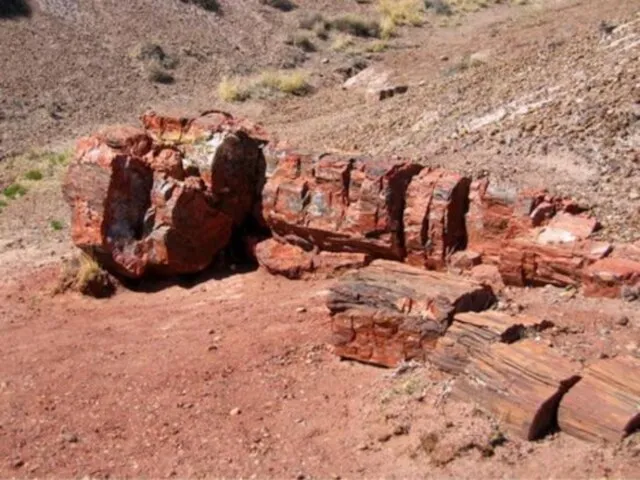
(389,312)
(609,276)
(338,203)
(471,332)
(605,404)
(434,225)
(293,262)
(521,383)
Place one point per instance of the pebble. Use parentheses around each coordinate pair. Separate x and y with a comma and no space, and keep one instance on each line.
(634,195)
(301,310)
(623,321)
(235,412)
(70,437)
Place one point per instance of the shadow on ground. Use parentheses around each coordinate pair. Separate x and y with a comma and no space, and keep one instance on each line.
(14,8)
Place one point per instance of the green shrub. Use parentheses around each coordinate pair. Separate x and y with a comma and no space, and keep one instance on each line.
(56,225)
(356,26)
(157,74)
(33,175)
(282,5)
(440,7)
(209,5)
(15,190)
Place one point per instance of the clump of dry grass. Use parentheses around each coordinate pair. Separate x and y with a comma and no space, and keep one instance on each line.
(268,83)
(342,43)
(83,274)
(356,26)
(394,13)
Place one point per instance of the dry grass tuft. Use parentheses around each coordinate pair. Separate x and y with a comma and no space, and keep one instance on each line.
(83,274)
(290,82)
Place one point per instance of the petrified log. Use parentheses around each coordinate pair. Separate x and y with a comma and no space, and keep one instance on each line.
(471,332)
(293,262)
(389,312)
(533,260)
(520,383)
(338,203)
(610,276)
(605,404)
(163,201)
(434,223)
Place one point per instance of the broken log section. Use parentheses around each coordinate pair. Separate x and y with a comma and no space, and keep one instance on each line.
(472,332)
(605,404)
(389,312)
(521,384)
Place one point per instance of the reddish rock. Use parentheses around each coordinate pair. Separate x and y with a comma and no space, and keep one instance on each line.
(488,275)
(434,223)
(337,203)
(609,276)
(465,259)
(293,262)
(498,212)
(532,261)
(389,312)
(162,206)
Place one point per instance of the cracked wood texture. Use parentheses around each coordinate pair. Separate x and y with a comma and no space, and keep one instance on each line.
(605,404)
(472,332)
(389,312)
(521,384)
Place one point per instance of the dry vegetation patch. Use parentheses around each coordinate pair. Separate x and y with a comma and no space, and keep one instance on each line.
(265,85)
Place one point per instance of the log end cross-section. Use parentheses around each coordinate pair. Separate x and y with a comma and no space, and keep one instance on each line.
(521,384)
(605,405)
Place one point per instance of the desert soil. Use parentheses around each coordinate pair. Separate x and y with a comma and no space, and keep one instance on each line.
(229,374)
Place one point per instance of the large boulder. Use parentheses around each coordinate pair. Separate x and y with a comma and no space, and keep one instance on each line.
(164,200)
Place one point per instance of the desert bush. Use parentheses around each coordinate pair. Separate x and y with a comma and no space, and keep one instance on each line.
(83,274)
(309,21)
(356,26)
(400,12)
(302,41)
(14,8)
(209,5)
(149,52)
(266,84)
(342,43)
(56,225)
(377,46)
(15,190)
(293,83)
(33,175)
(233,90)
(282,5)
(440,7)
(157,74)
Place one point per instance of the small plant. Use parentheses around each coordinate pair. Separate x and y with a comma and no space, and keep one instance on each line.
(378,46)
(33,175)
(289,82)
(282,5)
(342,43)
(15,190)
(157,74)
(301,41)
(208,5)
(152,53)
(294,83)
(356,26)
(2,204)
(56,225)
(83,274)
(401,12)
(233,90)
(310,21)
(440,7)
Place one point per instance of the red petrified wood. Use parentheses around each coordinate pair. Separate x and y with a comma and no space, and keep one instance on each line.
(521,383)
(163,201)
(389,312)
(337,203)
(605,404)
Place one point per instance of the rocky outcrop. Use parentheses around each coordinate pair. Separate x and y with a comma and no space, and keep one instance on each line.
(166,199)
